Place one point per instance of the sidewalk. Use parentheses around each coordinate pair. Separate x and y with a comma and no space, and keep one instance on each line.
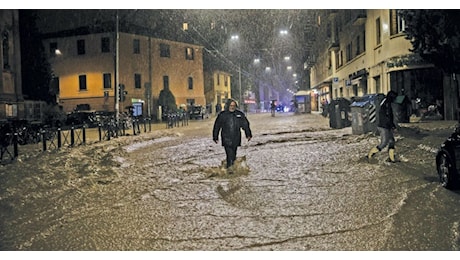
(92,134)
(432,125)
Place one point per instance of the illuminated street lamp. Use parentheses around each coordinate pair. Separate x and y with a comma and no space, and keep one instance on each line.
(235,37)
(117,67)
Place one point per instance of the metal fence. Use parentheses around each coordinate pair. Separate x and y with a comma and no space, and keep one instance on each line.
(49,138)
(176,119)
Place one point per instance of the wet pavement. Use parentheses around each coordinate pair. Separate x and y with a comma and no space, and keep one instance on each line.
(301,186)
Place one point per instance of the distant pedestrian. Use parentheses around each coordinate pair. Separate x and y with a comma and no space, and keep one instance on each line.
(218,108)
(296,106)
(229,123)
(273,107)
(386,126)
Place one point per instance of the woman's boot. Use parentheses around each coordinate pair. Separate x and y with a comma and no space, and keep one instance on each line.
(372,152)
(391,155)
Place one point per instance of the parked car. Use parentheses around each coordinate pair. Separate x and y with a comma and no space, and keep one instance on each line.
(197,112)
(87,118)
(279,108)
(448,161)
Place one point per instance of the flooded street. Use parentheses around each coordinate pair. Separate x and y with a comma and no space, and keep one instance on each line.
(306,187)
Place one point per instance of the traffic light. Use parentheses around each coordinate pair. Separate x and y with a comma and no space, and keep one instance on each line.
(122,92)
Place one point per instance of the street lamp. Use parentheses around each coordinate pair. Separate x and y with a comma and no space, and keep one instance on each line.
(235,37)
(239,82)
(117,67)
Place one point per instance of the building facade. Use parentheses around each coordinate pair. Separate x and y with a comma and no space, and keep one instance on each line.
(11,98)
(366,53)
(88,65)
(217,89)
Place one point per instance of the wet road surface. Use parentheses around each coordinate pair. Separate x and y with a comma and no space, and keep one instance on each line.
(302,186)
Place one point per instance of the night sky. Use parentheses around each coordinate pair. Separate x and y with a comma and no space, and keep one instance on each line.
(258,29)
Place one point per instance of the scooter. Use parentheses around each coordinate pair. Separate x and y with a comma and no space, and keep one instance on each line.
(448,161)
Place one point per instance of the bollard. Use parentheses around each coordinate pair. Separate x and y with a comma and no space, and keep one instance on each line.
(100,131)
(15,145)
(59,137)
(123,126)
(72,136)
(134,126)
(117,128)
(84,134)
(44,140)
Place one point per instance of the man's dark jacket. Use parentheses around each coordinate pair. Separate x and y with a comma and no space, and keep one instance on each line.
(230,125)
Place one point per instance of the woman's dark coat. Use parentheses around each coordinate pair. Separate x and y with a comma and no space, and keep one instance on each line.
(386,118)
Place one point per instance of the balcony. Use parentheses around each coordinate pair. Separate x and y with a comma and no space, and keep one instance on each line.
(311,60)
(359,17)
(333,46)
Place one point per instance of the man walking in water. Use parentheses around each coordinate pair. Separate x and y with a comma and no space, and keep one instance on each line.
(229,123)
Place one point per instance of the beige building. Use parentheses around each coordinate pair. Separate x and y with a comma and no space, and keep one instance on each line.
(85,65)
(366,53)
(217,89)
(11,98)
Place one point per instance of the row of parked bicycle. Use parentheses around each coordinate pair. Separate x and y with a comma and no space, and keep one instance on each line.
(28,132)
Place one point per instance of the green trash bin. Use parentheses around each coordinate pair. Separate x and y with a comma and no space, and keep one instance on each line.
(339,110)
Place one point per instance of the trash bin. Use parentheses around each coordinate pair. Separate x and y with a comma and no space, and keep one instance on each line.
(358,114)
(364,113)
(339,110)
